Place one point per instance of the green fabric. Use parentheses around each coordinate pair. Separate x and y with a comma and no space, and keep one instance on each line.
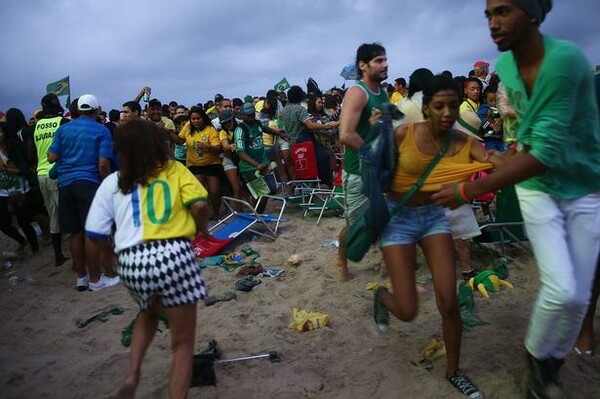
(363,128)
(101,316)
(466,303)
(559,121)
(248,139)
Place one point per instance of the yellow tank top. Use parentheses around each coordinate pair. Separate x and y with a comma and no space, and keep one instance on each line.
(450,169)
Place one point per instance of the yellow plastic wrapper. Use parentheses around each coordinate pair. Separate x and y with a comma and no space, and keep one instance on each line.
(434,349)
(375,286)
(303,320)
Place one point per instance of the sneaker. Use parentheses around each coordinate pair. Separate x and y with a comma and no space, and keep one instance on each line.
(464,385)
(104,282)
(82,283)
(541,380)
(380,313)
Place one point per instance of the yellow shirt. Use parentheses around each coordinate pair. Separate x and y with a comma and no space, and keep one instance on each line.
(396,98)
(155,211)
(268,138)
(453,169)
(195,156)
(468,115)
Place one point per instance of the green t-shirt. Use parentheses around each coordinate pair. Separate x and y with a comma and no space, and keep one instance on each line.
(351,160)
(248,138)
(559,121)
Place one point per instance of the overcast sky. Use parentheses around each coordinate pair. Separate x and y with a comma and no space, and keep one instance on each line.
(188,50)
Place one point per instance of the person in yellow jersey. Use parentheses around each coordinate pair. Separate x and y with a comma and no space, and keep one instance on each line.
(203,153)
(158,206)
(400,91)
(43,135)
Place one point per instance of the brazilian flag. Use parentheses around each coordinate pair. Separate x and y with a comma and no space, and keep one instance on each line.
(60,87)
(282,85)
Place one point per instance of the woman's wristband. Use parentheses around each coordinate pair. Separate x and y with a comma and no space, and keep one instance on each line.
(459,192)
(463,195)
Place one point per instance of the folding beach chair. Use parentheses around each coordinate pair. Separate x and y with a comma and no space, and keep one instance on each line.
(236,223)
(306,174)
(506,224)
(322,200)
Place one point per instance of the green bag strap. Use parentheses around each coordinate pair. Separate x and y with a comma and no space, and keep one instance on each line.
(417,186)
(470,128)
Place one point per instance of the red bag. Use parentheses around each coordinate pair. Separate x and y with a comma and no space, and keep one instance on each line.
(305,161)
(204,248)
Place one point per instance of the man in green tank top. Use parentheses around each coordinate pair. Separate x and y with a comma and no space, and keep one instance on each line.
(372,66)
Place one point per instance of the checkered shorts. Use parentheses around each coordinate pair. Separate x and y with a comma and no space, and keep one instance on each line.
(164,270)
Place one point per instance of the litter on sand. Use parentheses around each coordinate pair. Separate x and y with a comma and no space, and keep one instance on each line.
(303,320)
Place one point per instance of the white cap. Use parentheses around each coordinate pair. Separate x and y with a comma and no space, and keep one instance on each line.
(87,102)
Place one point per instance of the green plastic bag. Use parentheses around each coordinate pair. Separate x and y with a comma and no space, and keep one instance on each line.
(360,237)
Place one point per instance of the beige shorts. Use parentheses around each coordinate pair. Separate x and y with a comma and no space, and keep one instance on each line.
(354,199)
(49,190)
(463,222)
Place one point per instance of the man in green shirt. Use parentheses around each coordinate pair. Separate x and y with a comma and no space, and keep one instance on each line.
(549,84)
(372,67)
(248,138)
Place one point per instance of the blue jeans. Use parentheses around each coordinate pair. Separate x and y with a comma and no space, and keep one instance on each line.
(411,224)
(565,236)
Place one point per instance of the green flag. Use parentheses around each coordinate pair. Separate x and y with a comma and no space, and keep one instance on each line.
(282,85)
(60,87)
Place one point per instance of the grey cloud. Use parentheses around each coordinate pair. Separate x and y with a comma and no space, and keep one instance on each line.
(189,50)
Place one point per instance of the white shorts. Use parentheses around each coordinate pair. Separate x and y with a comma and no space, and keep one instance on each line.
(228,164)
(463,222)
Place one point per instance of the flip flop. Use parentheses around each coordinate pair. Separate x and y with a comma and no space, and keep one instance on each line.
(211,300)
(246,284)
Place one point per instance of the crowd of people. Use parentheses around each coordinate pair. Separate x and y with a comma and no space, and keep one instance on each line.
(174,164)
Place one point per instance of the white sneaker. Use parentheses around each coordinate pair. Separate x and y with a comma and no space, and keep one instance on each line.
(104,282)
(82,283)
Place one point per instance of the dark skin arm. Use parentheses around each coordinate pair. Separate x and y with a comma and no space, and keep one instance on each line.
(274,132)
(518,168)
(263,169)
(199,211)
(103,167)
(315,126)
(10,168)
(354,102)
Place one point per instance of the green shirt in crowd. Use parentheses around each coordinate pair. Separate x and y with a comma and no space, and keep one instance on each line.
(559,120)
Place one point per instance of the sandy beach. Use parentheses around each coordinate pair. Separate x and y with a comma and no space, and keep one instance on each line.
(43,353)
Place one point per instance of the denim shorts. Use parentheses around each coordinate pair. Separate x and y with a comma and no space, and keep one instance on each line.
(413,223)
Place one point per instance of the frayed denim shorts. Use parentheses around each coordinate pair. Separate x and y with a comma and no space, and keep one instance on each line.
(413,223)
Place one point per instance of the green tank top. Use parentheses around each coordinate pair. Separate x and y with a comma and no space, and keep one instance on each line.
(43,136)
(351,160)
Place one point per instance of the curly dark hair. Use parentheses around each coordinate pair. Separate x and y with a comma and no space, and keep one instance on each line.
(143,151)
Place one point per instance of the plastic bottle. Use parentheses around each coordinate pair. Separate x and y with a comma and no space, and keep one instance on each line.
(146,96)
